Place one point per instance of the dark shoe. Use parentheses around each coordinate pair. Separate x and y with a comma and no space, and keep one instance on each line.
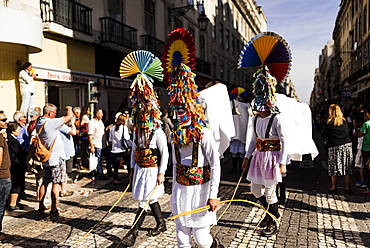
(103,177)
(161,223)
(269,230)
(12,208)
(68,193)
(41,211)
(333,190)
(130,237)
(59,212)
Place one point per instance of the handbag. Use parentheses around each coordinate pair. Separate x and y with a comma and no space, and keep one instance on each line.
(126,143)
(93,162)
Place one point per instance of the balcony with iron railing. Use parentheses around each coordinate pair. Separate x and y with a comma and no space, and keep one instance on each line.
(67,13)
(203,66)
(152,44)
(118,33)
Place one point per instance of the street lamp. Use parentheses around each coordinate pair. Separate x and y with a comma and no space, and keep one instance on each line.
(339,60)
(174,13)
(202,19)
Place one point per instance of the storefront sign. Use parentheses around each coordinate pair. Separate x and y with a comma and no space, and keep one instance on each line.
(118,84)
(66,76)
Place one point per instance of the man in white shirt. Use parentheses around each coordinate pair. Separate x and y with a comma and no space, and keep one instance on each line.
(55,168)
(27,86)
(96,132)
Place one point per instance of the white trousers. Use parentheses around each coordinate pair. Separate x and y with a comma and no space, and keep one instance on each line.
(201,235)
(28,102)
(143,202)
(259,190)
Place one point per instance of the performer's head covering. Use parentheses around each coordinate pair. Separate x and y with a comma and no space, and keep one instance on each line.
(271,53)
(145,107)
(178,60)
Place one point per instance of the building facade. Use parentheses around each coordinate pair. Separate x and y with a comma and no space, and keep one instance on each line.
(73,42)
(352,52)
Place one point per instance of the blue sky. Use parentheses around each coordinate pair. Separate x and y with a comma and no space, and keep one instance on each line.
(307,25)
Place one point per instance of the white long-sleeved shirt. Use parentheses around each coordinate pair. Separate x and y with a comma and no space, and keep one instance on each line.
(115,136)
(26,82)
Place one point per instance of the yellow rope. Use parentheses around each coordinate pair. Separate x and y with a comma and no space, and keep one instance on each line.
(232,197)
(201,209)
(86,234)
(137,219)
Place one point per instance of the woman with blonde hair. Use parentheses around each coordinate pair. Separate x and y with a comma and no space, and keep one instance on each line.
(339,146)
(119,131)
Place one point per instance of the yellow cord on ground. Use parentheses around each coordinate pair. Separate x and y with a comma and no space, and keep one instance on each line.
(145,206)
(119,199)
(201,209)
(232,197)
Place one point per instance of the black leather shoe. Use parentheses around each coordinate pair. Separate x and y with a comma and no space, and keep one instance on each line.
(130,238)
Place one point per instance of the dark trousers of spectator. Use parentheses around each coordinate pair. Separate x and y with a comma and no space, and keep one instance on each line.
(116,162)
(108,160)
(5,187)
(84,150)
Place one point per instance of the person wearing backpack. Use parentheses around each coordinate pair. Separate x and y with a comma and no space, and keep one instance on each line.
(55,167)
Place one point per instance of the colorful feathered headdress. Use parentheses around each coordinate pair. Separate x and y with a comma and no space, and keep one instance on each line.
(178,60)
(271,53)
(145,112)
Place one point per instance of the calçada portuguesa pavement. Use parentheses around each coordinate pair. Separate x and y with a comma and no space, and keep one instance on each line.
(311,217)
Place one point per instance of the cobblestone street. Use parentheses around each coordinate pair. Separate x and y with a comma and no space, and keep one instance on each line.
(310,218)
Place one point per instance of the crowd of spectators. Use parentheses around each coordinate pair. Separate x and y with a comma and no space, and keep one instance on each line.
(72,139)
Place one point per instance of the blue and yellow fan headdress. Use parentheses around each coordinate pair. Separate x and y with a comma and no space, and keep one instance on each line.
(145,112)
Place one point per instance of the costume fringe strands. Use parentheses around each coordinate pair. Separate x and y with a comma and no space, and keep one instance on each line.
(264,91)
(178,60)
(145,106)
(183,91)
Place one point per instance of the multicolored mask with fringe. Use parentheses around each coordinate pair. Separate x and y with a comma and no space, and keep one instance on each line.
(146,113)
(178,60)
(264,89)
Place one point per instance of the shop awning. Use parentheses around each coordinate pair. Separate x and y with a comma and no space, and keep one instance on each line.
(355,94)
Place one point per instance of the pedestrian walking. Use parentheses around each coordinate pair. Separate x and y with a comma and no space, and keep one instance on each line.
(96,132)
(83,134)
(117,132)
(340,157)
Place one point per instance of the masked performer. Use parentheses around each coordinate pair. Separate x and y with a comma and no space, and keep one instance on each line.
(268,142)
(150,142)
(197,170)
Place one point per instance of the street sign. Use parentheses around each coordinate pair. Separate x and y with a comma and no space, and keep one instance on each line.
(346,93)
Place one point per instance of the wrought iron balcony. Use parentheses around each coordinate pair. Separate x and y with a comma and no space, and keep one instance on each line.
(152,44)
(203,66)
(118,33)
(67,13)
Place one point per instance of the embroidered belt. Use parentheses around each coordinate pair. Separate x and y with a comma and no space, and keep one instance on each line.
(146,157)
(192,175)
(268,145)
